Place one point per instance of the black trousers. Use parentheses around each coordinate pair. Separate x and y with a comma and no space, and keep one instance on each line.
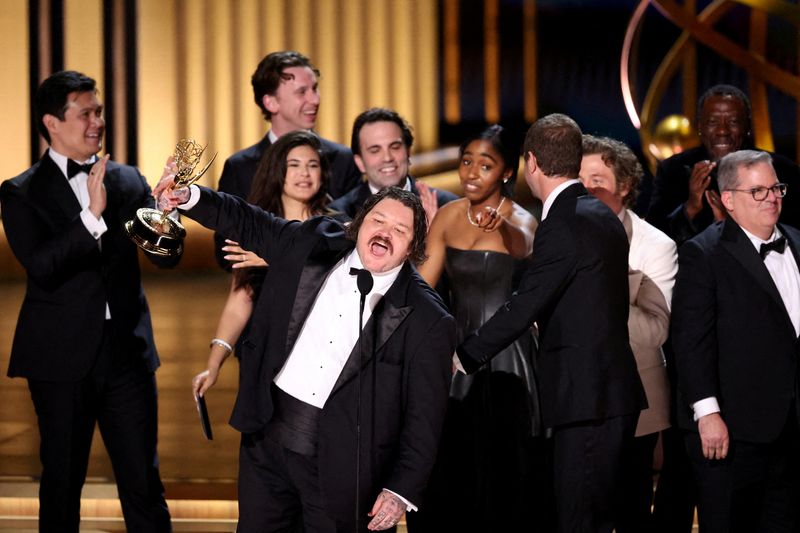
(120,397)
(676,492)
(754,489)
(587,466)
(636,494)
(280,491)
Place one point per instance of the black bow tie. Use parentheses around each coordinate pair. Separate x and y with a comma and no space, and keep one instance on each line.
(778,245)
(73,168)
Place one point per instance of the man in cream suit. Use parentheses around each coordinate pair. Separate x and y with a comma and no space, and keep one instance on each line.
(611,172)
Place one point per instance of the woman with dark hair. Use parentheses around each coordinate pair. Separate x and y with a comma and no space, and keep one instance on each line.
(290,181)
(482,243)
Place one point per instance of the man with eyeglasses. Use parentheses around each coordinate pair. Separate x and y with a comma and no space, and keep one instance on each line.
(735,327)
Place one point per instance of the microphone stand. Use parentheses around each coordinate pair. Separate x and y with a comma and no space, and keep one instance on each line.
(365,283)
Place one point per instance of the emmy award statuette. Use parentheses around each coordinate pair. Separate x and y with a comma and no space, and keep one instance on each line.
(154,231)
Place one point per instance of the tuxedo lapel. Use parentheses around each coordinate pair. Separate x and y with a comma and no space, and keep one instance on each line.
(312,277)
(735,241)
(364,194)
(793,240)
(386,318)
(51,188)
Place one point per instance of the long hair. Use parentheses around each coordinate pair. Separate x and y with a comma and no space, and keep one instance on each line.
(268,183)
(270,174)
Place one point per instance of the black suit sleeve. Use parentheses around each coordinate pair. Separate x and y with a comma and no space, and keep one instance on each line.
(428,379)
(553,266)
(694,336)
(255,229)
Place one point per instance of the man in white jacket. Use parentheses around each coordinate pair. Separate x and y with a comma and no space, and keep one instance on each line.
(611,171)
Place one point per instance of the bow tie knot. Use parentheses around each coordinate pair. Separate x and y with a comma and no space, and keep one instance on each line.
(74,168)
(778,245)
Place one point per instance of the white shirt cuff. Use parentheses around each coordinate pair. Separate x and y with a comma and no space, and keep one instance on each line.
(409,506)
(704,407)
(457,364)
(194,197)
(95,226)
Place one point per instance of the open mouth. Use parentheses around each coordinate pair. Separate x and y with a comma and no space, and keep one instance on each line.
(380,247)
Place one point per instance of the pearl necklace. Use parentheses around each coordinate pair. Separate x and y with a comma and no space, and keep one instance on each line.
(497,210)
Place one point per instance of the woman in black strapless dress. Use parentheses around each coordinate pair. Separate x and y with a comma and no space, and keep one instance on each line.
(490,474)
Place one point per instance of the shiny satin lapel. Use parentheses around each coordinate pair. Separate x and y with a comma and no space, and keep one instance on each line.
(53,188)
(312,277)
(386,318)
(739,246)
(791,237)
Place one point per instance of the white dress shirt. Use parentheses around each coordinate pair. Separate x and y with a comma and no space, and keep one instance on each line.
(330,332)
(95,226)
(548,203)
(783,270)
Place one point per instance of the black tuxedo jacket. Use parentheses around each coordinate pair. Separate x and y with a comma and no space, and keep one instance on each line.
(732,336)
(671,190)
(239,169)
(70,279)
(351,202)
(576,290)
(410,339)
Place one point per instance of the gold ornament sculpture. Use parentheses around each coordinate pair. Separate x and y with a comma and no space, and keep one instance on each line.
(673,134)
(152,230)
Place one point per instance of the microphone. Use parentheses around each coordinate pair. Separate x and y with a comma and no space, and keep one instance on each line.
(364,282)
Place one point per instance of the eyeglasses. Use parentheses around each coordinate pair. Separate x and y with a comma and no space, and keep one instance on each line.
(760,193)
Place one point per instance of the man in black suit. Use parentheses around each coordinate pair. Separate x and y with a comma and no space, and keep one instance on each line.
(298,403)
(735,326)
(685,195)
(576,290)
(381,142)
(285,89)
(83,339)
